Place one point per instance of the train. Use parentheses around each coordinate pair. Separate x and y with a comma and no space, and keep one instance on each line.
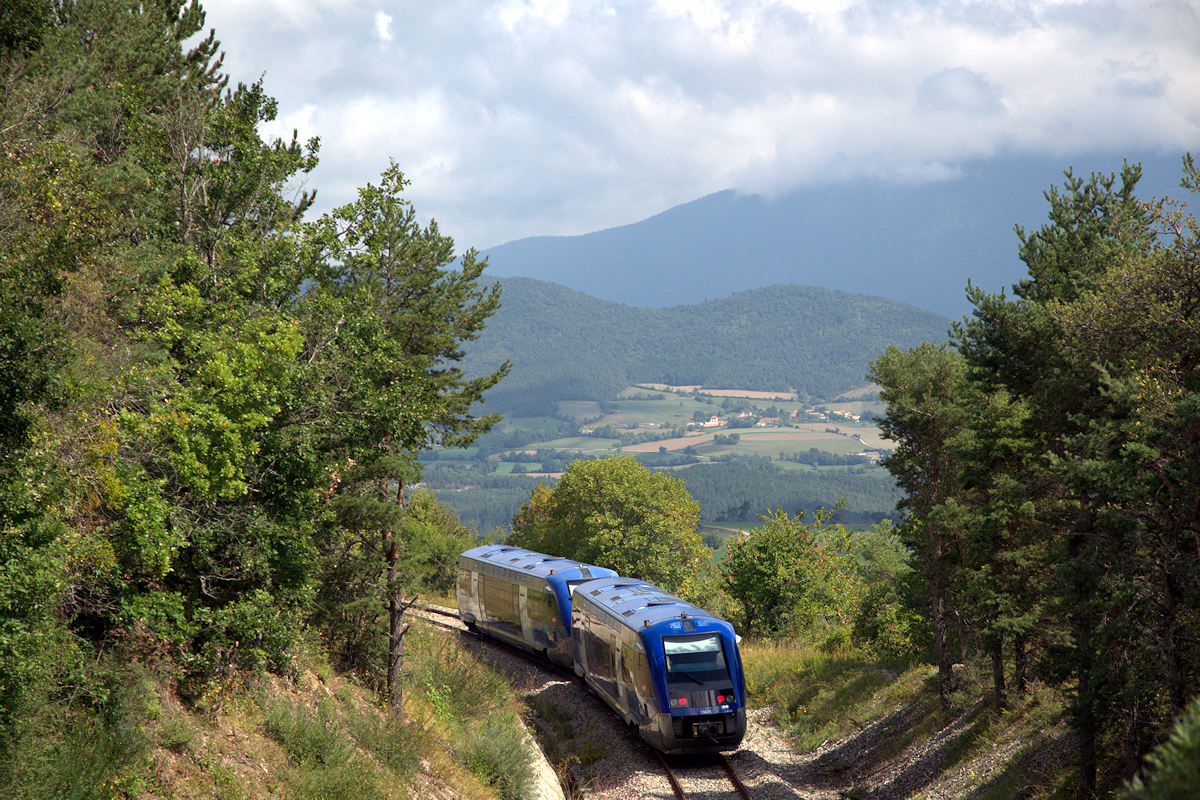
(668,668)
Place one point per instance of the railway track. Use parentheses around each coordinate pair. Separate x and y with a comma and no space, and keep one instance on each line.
(439,615)
(708,777)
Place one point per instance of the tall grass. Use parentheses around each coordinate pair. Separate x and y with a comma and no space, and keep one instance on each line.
(819,695)
(341,751)
(91,745)
(473,703)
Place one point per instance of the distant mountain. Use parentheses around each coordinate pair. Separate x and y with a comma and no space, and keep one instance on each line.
(566,345)
(918,244)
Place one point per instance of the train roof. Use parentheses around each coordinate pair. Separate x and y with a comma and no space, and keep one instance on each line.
(637,604)
(533,563)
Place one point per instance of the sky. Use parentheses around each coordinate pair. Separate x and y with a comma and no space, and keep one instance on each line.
(517,118)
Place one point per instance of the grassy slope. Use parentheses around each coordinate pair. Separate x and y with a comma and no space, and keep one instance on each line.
(879,731)
(316,736)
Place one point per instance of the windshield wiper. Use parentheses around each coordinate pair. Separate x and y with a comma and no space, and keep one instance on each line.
(689,676)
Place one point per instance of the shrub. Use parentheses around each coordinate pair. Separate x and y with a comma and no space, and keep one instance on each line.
(307,737)
(496,752)
(1174,766)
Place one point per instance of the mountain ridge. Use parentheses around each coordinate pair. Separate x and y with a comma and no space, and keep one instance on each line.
(914,243)
(567,345)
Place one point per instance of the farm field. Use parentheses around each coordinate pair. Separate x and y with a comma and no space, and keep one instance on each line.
(771,442)
(577,444)
(746,393)
(671,411)
(798,465)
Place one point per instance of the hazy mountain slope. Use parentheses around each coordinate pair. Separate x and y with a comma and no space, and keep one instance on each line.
(566,345)
(918,244)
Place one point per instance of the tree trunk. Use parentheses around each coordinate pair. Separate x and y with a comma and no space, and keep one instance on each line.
(1085,724)
(937,608)
(395,620)
(396,608)
(1085,666)
(1019,664)
(996,647)
(1172,643)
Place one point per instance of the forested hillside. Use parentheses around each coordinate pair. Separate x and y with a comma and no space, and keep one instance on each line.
(207,404)
(564,345)
(1051,466)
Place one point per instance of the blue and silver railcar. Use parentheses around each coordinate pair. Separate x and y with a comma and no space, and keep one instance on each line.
(522,597)
(667,667)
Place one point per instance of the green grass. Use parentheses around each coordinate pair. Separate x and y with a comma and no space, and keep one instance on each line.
(818,696)
(474,704)
(531,424)
(506,467)
(587,444)
(579,409)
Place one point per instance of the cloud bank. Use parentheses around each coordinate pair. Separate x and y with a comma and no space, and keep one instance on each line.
(526,117)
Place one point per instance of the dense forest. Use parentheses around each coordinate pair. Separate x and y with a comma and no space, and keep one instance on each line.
(567,346)
(741,489)
(208,406)
(1050,458)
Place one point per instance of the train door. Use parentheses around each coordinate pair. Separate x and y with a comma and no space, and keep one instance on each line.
(523,610)
(629,672)
(615,665)
(623,688)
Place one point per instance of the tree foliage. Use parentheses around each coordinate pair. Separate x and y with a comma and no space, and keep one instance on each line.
(615,513)
(1071,489)
(202,398)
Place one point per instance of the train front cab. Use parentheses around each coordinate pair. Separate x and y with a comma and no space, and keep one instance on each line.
(667,667)
(702,677)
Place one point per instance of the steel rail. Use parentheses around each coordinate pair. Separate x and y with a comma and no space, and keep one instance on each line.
(733,777)
(671,776)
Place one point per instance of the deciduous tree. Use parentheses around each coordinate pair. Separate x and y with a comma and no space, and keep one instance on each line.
(615,513)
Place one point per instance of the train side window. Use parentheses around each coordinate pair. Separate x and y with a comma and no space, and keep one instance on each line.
(628,659)
(600,655)
(638,670)
(498,599)
(542,608)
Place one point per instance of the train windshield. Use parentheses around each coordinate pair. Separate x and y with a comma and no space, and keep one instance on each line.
(696,659)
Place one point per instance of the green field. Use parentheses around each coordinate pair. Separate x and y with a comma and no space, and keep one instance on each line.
(532,424)
(577,444)
(487,491)
(506,467)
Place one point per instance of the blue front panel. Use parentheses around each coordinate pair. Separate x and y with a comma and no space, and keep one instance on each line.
(692,674)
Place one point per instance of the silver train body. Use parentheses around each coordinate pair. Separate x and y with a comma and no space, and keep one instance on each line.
(666,667)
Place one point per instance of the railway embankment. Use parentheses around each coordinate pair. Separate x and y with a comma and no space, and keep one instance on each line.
(321,734)
(891,738)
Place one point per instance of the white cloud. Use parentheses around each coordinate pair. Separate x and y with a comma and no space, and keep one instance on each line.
(546,116)
(383,26)
(958,90)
